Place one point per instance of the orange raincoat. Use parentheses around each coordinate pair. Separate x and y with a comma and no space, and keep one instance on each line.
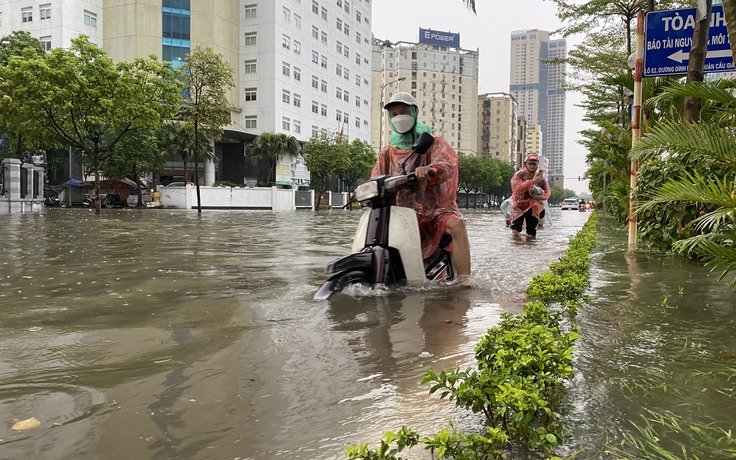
(521,184)
(434,203)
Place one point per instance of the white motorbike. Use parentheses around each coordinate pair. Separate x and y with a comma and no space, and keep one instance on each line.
(387,246)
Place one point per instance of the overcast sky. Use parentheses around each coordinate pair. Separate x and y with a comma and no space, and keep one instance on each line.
(488,32)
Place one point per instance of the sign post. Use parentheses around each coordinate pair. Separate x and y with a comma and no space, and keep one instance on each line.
(669,36)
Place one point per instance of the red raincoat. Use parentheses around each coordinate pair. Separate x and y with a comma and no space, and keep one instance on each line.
(434,203)
(521,184)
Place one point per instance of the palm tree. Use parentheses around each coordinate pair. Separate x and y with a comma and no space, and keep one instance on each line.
(703,156)
(470,4)
(177,138)
(269,148)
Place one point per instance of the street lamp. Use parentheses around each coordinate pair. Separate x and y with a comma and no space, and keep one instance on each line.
(380,119)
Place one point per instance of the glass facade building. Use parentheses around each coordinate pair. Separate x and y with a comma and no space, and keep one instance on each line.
(176,31)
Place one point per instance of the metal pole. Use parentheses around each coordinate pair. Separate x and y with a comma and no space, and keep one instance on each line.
(635,125)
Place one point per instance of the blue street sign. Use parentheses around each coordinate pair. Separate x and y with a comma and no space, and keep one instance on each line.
(668,39)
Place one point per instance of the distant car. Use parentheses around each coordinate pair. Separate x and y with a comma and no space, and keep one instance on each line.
(569,203)
(178,184)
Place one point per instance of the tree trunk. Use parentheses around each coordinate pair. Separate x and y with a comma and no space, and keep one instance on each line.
(729,11)
(695,64)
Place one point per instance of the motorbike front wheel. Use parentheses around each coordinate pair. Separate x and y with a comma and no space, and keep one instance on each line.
(340,281)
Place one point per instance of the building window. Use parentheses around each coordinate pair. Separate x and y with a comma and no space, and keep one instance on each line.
(286,69)
(315,82)
(297,126)
(338,115)
(323,86)
(44,11)
(357,58)
(315,57)
(357,16)
(357,101)
(346,29)
(324,36)
(90,19)
(297,74)
(297,21)
(346,73)
(250,39)
(286,123)
(286,96)
(338,93)
(323,110)
(285,41)
(347,7)
(323,62)
(338,70)
(339,24)
(297,47)
(251,122)
(346,96)
(324,13)
(250,12)
(315,7)
(357,122)
(315,33)
(287,15)
(315,107)
(46,43)
(347,52)
(315,131)
(357,37)
(27,14)
(250,66)
(297,100)
(250,94)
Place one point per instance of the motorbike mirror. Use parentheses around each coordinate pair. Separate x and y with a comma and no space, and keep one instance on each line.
(423,144)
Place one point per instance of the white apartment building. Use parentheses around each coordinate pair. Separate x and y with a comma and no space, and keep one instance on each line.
(538,85)
(301,67)
(497,126)
(442,77)
(54,23)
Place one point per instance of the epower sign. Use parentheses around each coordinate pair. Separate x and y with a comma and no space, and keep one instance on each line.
(669,36)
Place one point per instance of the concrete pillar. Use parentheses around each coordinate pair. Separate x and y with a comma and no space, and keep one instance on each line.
(38,190)
(12,178)
(27,172)
(209,171)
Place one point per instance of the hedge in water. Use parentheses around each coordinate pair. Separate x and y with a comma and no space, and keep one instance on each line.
(518,380)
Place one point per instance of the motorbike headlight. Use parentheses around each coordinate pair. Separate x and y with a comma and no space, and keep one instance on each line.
(366,191)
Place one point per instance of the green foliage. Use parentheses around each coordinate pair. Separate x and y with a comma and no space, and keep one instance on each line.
(358,163)
(521,366)
(325,157)
(269,149)
(78,97)
(207,78)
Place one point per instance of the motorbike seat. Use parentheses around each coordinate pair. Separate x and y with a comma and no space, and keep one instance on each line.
(445,241)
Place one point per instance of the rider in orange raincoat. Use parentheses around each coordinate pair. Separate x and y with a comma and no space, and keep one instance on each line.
(435,199)
(530,189)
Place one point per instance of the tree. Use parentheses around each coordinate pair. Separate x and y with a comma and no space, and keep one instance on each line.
(177,139)
(137,154)
(270,148)
(324,157)
(79,97)
(18,43)
(207,79)
(357,165)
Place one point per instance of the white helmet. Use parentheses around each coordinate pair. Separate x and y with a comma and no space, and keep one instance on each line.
(403,98)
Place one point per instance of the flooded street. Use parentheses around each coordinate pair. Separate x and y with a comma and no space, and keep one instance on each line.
(159,334)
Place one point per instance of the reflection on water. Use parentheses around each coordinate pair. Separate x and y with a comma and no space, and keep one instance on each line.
(657,335)
(164,334)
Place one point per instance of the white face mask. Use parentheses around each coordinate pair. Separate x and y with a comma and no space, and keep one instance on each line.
(403,123)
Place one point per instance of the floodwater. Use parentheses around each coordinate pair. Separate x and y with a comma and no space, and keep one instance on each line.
(160,334)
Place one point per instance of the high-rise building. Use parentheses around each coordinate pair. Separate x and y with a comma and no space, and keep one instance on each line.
(497,126)
(301,68)
(441,76)
(538,85)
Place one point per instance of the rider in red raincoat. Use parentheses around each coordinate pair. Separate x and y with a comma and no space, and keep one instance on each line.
(435,199)
(530,189)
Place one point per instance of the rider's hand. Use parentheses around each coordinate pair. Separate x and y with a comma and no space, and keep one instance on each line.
(423,172)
